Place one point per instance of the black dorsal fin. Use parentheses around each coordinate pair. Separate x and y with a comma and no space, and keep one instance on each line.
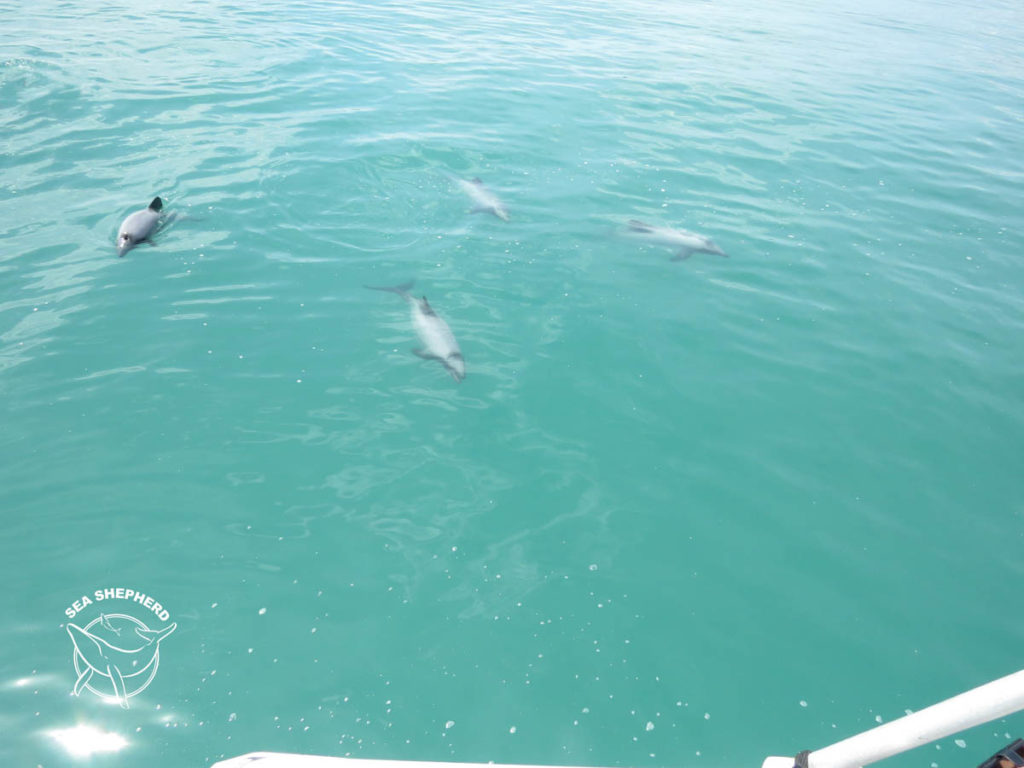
(477,180)
(156,205)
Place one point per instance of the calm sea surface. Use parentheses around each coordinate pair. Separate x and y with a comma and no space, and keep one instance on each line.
(678,512)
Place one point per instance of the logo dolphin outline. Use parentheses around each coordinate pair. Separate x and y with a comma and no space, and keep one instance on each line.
(108,660)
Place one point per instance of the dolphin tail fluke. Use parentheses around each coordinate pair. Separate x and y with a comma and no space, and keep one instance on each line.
(638,226)
(685,253)
(401,290)
(156,205)
(155,635)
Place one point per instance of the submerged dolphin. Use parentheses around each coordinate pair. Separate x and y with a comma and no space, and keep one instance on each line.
(138,226)
(484,201)
(687,242)
(109,660)
(438,341)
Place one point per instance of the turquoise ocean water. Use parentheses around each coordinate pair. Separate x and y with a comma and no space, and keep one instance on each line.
(678,513)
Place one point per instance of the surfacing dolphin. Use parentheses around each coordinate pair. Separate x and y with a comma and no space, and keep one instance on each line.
(484,201)
(687,243)
(437,338)
(138,226)
(109,660)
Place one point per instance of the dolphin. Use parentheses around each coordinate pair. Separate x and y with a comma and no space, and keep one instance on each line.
(687,242)
(105,623)
(109,660)
(138,226)
(438,341)
(484,201)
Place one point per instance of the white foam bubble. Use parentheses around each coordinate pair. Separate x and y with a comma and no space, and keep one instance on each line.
(87,740)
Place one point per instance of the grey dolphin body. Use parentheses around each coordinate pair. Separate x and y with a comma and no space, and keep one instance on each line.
(687,242)
(483,199)
(437,338)
(109,660)
(138,226)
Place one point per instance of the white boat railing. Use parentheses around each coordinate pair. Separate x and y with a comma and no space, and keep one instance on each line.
(979,705)
(988,702)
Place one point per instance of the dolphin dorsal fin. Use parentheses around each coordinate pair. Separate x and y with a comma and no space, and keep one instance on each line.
(638,226)
(477,180)
(156,205)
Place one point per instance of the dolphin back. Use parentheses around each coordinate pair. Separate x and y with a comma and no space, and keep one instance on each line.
(638,226)
(402,290)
